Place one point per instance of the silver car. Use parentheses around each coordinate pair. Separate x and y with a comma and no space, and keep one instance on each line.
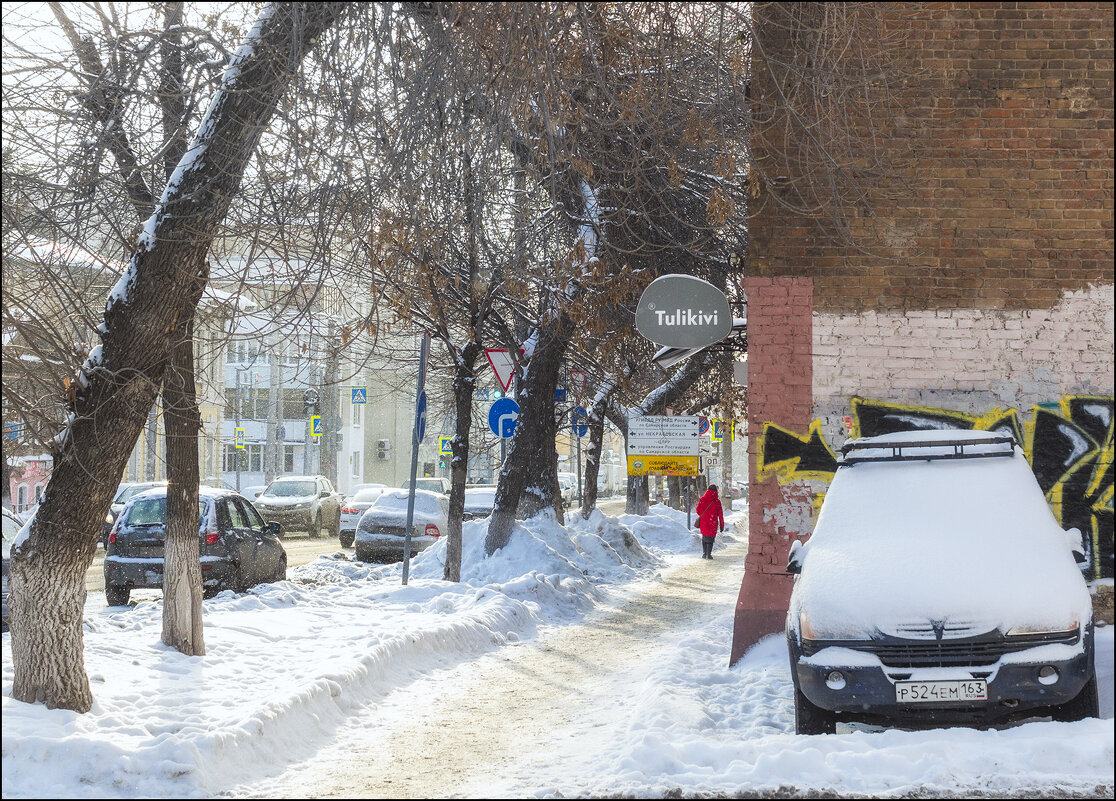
(354,507)
(382,529)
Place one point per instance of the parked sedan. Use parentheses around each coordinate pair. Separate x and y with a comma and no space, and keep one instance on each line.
(238,549)
(354,507)
(381,532)
(479,502)
(302,503)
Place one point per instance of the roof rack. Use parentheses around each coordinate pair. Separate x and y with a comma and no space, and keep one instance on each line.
(958,450)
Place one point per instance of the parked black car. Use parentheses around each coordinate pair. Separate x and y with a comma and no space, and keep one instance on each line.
(238,549)
(124,493)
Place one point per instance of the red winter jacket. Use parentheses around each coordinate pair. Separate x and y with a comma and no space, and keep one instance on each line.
(711,517)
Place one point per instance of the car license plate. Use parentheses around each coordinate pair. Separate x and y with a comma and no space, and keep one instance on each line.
(938,692)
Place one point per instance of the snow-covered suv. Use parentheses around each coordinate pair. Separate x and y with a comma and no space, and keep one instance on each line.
(938,588)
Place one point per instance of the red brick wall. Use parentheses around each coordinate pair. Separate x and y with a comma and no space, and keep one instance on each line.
(780,368)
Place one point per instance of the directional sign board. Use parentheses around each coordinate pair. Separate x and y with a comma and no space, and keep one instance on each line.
(503,365)
(663,445)
(502,417)
(315,425)
(579,419)
(420,416)
(360,395)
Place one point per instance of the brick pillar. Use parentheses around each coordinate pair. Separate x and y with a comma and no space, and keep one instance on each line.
(780,390)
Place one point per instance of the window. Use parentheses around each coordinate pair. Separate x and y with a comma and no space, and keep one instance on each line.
(251,515)
(21,498)
(255,458)
(233,457)
(355,461)
(357,414)
(236,514)
(288,458)
(38,492)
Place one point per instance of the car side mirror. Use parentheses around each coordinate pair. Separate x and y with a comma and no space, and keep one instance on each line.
(273,527)
(324,494)
(795,557)
(1076,545)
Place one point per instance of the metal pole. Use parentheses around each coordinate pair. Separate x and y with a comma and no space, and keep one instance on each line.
(414,459)
(579,489)
(236,451)
(689,522)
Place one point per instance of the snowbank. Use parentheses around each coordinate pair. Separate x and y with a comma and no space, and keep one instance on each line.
(286,663)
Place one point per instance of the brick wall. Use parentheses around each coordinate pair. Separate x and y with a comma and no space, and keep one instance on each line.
(972,288)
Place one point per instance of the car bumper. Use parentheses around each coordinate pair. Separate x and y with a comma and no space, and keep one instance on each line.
(388,547)
(868,693)
(147,573)
(297,520)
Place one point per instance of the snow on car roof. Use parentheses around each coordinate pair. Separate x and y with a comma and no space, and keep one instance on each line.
(970,539)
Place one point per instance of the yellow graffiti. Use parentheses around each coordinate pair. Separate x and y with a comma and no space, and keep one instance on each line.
(787,469)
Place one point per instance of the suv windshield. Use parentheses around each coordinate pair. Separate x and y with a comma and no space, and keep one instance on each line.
(431,484)
(290,489)
(128,493)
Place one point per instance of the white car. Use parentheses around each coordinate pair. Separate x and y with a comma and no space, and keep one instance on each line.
(568,484)
(354,506)
(937,588)
(381,531)
(479,502)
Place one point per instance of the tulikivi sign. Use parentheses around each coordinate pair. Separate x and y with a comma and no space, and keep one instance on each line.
(681,311)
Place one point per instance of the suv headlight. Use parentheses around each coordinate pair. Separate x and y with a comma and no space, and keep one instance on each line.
(1030,628)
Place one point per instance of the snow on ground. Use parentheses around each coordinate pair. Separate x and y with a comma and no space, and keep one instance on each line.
(288,664)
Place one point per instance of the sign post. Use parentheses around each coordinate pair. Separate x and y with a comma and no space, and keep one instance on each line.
(417,434)
(578,422)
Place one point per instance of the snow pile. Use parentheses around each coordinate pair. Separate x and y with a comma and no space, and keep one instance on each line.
(287,663)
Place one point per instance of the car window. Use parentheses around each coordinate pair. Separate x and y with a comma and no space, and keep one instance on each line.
(290,489)
(153,511)
(236,514)
(367,495)
(250,514)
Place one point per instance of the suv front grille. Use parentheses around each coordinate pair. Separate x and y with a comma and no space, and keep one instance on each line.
(983,650)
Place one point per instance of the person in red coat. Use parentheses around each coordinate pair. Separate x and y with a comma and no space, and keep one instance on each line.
(711,519)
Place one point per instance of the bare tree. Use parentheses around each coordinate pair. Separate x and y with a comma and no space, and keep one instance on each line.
(120,378)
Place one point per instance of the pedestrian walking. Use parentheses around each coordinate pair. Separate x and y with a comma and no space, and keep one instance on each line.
(710,519)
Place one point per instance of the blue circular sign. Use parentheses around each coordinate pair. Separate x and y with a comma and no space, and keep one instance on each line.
(580,421)
(502,417)
(703,425)
(420,416)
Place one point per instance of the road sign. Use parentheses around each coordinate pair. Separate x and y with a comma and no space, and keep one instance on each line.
(445,446)
(310,397)
(579,419)
(681,311)
(360,395)
(503,365)
(577,382)
(660,435)
(502,417)
(420,416)
(315,425)
(282,433)
(240,439)
(664,465)
(560,395)
(703,425)
(723,429)
(482,394)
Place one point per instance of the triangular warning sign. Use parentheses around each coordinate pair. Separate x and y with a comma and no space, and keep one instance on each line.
(502,365)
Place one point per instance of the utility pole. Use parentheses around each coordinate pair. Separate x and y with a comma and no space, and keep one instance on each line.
(236,451)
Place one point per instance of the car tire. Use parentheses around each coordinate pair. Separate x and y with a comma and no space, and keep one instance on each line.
(1085,705)
(346,538)
(337,526)
(281,574)
(210,592)
(315,531)
(362,555)
(810,719)
(117,596)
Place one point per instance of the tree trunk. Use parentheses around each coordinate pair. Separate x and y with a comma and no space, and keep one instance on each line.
(182,579)
(530,447)
(596,425)
(119,382)
(464,383)
(674,492)
(638,501)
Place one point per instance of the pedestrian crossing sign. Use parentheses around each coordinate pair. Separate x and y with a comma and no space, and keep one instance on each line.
(315,425)
(240,439)
(360,395)
(445,446)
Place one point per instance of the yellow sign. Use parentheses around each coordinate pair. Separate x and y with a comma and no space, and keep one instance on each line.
(663,465)
(721,428)
(445,446)
(315,425)
(240,439)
